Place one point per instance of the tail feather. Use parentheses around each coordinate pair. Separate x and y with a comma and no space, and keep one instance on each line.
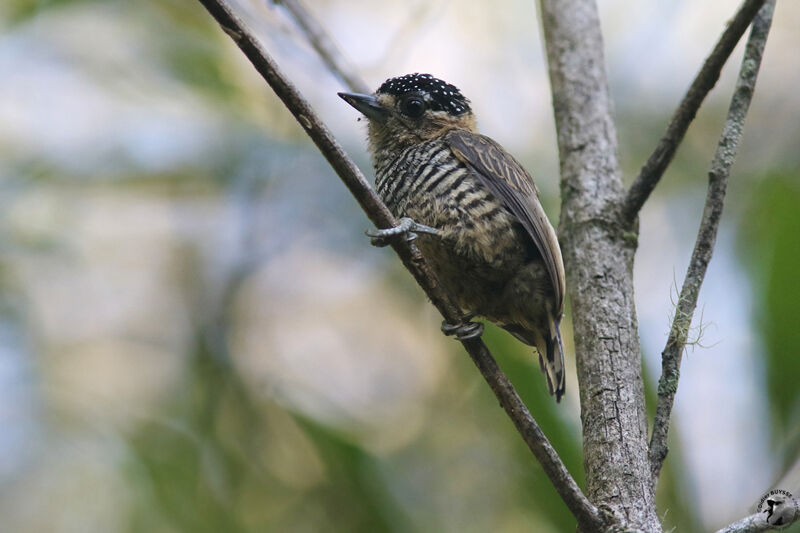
(551,354)
(554,365)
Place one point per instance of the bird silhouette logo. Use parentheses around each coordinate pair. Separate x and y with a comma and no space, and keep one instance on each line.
(779,508)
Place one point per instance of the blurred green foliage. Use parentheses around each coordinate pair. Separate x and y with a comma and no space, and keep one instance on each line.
(771,247)
(194,53)
(21,11)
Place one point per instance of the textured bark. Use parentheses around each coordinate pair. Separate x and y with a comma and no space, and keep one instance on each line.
(598,256)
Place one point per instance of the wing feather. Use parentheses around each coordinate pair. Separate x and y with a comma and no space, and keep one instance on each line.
(514,187)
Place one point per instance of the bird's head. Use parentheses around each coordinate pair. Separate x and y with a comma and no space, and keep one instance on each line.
(411,109)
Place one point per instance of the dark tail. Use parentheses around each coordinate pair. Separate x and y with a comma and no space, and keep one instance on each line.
(551,353)
(553,363)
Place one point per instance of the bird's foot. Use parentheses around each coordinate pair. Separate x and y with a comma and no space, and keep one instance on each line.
(406,227)
(464,330)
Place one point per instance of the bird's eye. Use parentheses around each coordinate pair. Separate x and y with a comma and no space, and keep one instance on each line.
(413,107)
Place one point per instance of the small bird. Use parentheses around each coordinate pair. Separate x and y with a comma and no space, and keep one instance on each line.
(475,210)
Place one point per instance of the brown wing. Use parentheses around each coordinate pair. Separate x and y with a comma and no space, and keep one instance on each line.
(509,182)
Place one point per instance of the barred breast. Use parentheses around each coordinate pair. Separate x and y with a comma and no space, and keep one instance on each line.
(482,243)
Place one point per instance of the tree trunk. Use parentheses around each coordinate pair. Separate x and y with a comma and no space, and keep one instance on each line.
(598,254)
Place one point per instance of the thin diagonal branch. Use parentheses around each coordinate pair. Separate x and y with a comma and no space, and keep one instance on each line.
(324,45)
(657,163)
(754,523)
(704,246)
(587,515)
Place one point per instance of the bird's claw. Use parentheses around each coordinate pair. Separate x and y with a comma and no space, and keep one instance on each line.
(463,330)
(406,226)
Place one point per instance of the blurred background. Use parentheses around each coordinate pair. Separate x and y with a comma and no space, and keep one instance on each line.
(195,335)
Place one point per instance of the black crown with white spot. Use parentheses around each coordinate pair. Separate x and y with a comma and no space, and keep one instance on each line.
(439,95)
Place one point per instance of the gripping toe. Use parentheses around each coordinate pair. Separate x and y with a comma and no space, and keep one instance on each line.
(464,330)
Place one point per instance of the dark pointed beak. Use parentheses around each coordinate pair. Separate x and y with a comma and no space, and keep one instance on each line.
(367,104)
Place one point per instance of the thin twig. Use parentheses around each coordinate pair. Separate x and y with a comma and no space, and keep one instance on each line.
(654,168)
(750,524)
(324,45)
(755,523)
(704,246)
(587,515)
